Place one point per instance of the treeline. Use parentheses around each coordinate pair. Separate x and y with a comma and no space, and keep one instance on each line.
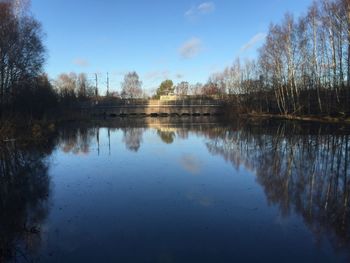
(302,68)
(25,90)
(23,86)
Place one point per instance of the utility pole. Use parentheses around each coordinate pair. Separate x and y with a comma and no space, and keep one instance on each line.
(98,140)
(107,85)
(96,88)
(109,141)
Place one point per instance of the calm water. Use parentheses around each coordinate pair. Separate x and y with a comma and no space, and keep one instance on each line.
(157,191)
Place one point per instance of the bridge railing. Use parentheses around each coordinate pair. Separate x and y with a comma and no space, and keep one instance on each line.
(151,103)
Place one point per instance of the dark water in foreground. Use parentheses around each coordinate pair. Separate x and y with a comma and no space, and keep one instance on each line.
(185,192)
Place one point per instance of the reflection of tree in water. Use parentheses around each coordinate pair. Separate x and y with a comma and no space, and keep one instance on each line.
(24,190)
(76,140)
(166,136)
(182,133)
(306,172)
(133,138)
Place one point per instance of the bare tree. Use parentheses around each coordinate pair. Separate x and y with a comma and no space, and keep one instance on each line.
(66,86)
(345,5)
(303,66)
(131,86)
(182,88)
(196,89)
(21,7)
(21,50)
(83,86)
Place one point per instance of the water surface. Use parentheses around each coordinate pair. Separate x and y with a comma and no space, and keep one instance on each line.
(155,190)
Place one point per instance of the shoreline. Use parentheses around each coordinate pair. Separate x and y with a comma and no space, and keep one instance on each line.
(41,130)
(304,118)
(40,127)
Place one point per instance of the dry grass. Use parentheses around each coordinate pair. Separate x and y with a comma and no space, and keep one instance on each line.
(24,129)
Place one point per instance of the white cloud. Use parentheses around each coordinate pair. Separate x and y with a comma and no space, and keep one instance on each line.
(253,41)
(191,48)
(201,9)
(81,62)
(207,7)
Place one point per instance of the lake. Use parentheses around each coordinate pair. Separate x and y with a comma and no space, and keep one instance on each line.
(177,190)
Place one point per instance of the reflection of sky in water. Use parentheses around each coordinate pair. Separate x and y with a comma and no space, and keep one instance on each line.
(147,196)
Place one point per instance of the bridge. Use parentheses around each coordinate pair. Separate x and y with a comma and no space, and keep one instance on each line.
(154,108)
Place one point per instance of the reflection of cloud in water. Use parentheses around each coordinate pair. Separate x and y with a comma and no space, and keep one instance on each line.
(199,198)
(191,164)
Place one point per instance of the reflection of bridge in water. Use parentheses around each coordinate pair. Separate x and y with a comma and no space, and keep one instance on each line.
(198,107)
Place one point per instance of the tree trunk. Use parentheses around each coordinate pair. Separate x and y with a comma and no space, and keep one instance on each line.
(348,62)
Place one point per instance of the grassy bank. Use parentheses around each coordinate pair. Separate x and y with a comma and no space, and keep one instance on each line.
(25,130)
(17,127)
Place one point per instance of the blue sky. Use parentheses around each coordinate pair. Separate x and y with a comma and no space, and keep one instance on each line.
(180,40)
